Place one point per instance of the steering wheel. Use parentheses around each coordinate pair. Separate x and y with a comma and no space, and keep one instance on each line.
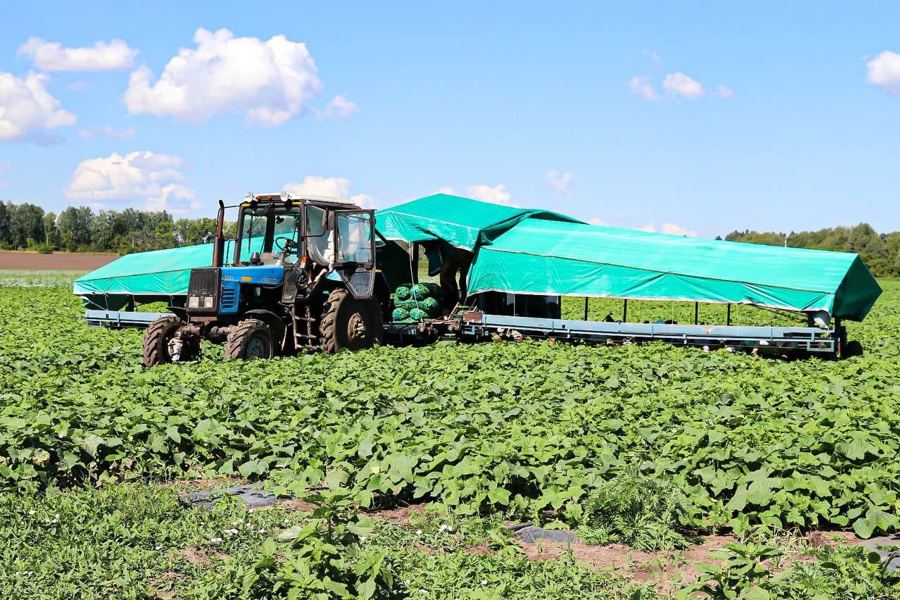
(285,245)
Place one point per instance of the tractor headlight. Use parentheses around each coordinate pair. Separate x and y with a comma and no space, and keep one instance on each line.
(193,301)
(207,301)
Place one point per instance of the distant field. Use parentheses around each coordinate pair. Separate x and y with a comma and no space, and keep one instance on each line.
(68,261)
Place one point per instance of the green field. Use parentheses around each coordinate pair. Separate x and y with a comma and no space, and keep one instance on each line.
(653,446)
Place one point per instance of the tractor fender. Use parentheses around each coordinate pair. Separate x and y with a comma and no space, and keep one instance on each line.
(271,319)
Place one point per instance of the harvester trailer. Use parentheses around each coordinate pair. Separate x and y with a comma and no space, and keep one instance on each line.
(305,273)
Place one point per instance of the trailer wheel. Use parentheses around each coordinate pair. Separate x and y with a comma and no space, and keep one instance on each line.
(155,344)
(251,338)
(853,348)
(350,324)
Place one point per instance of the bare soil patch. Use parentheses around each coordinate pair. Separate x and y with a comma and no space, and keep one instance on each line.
(666,569)
(397,516)
(62,261)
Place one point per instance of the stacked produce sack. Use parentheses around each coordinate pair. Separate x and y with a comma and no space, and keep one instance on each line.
(415,302)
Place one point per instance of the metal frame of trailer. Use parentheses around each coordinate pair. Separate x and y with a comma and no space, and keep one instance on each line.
(477,326)
(117,319)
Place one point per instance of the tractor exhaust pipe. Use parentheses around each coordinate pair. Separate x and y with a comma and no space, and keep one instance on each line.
(219,241)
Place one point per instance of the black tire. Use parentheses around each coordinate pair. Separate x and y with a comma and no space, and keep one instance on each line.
(350,324)
(251,338)
(853,348)
(155,344)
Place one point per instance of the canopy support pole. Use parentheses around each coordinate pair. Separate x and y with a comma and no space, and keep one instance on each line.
(625,311)
(415,263)
(696,312)
(728,317)
(586,308)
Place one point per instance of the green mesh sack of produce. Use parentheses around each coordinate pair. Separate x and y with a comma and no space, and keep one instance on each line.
(402,292)
(406,304)
(430,304)
(417,314)
(420,291)
(400,314)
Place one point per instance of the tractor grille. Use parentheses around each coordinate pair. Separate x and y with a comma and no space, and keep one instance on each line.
(203,291)
(229,299)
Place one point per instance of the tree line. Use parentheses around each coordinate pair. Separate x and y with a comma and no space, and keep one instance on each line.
(81,229)
(75,229)
(881,252)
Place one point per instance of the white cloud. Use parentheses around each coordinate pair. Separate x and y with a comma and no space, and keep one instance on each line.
(490,193)
(560,181)
(102,56)
(269,81)
(724,92)
(339,108)
(598,221)
(155,179)
(683,86)
(677,86)
(653,55)
(89,133)
(26,107)
(884,72)
(640,86)
(334,187)
(670,228)
(496,194)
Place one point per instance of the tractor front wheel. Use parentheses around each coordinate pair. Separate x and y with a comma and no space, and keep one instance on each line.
(161,346)
(350,324)
(251,338)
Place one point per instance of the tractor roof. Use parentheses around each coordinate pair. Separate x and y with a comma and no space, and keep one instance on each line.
(311,199)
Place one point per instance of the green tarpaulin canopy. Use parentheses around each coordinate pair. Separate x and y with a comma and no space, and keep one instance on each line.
(459,221)
(528,251)
(575,259)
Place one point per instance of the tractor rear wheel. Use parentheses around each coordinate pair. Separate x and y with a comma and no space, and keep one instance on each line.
(157,343)
(251,338)
(350,324)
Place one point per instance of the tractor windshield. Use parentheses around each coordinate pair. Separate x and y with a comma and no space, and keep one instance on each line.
(268,235)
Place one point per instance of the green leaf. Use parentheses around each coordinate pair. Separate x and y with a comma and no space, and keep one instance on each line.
(172,433)
(91,443)
(366,589)
(863,528)
(754,593)
(249,468)
(498,496)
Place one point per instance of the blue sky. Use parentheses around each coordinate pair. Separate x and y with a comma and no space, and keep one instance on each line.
(701,117)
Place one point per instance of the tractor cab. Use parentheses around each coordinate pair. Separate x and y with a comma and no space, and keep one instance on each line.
(300,273)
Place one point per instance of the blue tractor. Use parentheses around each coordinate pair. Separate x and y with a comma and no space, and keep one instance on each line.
(301,274)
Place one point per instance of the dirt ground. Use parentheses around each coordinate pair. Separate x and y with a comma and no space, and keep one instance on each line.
(665,570)
(68,261)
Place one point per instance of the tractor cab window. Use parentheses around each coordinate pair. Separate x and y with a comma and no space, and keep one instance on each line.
(354,235)
(285,248)
(269,234)
(319,243)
